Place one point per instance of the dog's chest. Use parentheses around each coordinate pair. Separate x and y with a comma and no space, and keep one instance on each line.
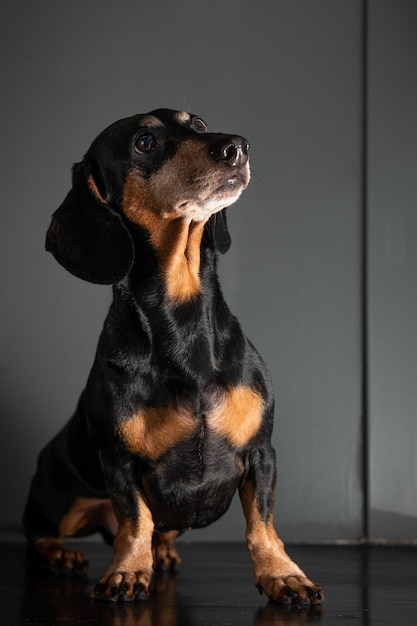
(235,416)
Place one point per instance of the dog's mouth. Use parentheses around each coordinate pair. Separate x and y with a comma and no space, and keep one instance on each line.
(232,183)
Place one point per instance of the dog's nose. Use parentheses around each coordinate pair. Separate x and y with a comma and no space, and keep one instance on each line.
(231,150)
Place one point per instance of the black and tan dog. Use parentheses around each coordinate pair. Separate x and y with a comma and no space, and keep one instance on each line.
(177,413)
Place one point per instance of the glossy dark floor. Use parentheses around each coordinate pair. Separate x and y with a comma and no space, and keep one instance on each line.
(363,586)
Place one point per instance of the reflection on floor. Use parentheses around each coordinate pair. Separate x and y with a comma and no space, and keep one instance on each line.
(363,585)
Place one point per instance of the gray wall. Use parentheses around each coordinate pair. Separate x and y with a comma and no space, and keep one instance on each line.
(392,313)
(288,75)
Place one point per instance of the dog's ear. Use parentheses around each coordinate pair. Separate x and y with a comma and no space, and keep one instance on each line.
(217,231)
(87,237)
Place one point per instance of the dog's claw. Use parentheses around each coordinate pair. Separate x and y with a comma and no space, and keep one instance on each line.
(315,596)
(140,593)
(294,590)
(290,593)
(123,587)
(98,590)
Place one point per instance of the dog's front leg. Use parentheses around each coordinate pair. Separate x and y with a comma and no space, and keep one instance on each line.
(128,577)
(276,574)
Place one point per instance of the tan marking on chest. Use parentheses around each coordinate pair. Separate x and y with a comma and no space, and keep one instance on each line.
(152,432)
(238,415)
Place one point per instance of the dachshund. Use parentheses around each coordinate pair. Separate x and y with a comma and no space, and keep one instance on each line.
(177,412)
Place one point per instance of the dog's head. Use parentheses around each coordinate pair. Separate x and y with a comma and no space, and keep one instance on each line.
(144,170)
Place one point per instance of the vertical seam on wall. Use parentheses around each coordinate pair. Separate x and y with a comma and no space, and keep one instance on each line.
(364,271)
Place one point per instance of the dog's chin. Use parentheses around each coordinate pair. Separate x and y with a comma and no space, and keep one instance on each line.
(226,194)
(223,196)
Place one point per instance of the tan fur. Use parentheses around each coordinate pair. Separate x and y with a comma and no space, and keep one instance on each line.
(94,189)
(274,570)
(132,559)
(151,121)
(185,187)
(86,513)
(164,551)
(238,415)
(182,116)
(151,432)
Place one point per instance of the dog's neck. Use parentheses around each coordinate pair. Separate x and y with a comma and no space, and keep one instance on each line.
(186,263)
(177,247)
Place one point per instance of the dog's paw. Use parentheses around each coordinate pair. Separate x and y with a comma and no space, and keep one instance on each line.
(123,587)
(69,562)
(166,557)
(292,589)
(50,553)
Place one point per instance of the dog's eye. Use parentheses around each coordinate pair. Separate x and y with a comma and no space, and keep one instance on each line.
(145,143)
(198,125)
